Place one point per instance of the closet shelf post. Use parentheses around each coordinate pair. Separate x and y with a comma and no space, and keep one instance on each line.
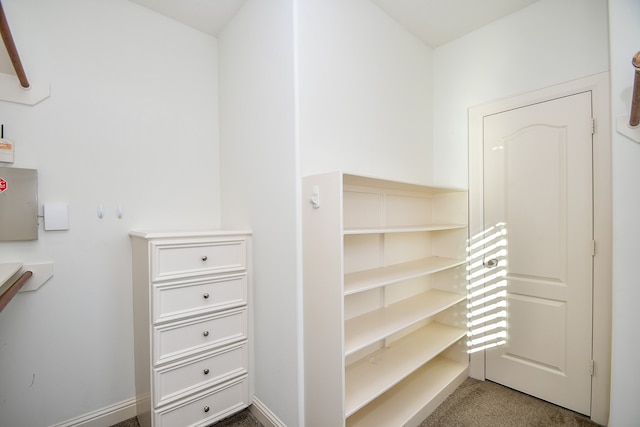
(12,50)
(14,289)
(634,119)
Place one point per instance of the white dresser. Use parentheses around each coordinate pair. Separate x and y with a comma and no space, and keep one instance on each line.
(191,293)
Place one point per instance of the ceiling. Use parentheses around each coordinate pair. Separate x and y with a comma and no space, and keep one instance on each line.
(208,16)
(435,22)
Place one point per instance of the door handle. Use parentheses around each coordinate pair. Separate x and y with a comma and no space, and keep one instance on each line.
(491,263)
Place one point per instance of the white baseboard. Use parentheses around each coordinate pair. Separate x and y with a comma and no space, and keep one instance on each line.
(264,415)
(126,409)
(104,417)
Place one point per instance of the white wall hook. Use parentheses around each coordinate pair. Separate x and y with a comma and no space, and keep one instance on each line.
(315,197)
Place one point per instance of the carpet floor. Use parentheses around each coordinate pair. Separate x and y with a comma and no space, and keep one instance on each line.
(473,404)
(485,403)
(241,419)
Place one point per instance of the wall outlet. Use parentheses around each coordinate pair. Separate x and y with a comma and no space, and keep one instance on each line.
(7,148)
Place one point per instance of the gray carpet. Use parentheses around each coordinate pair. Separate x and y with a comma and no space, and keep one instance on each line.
(484,403)
(473,404)
(241,419)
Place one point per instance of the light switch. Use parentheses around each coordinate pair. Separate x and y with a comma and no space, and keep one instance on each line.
(56,216)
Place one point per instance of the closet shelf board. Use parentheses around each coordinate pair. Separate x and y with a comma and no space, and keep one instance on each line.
(402,403)
(375,325)
(370,279)
(403,228)
(383,183)
(371,376)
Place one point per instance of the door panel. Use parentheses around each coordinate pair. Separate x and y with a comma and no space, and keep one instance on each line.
(543,345)
(535,230)
(538,188)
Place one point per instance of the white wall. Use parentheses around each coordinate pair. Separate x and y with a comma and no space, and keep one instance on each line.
(365,92)
(132,120)
(625,381)
(549,42)
(259,175)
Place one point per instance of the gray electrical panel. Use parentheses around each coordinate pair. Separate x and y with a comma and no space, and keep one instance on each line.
(18,204)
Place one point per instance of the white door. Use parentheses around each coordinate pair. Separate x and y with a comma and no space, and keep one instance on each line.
(538,195)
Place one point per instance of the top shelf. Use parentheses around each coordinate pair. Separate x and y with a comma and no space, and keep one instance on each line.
(403,229)
(381,183)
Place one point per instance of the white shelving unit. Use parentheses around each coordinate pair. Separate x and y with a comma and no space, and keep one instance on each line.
(384,299)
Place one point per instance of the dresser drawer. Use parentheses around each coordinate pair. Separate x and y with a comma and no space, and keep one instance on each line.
(206,407)
(174,299)
(173,259)
(174,381)
(184,338)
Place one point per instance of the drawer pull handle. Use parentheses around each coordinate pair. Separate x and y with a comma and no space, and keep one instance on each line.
(206,409)
(204,258)
(205,333)
(205,296)
(206,371)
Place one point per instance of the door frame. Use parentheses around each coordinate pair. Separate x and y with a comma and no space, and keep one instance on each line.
(598,85)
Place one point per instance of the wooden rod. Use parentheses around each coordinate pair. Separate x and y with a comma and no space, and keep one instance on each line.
(14,289)
(5,31)
(634,119)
